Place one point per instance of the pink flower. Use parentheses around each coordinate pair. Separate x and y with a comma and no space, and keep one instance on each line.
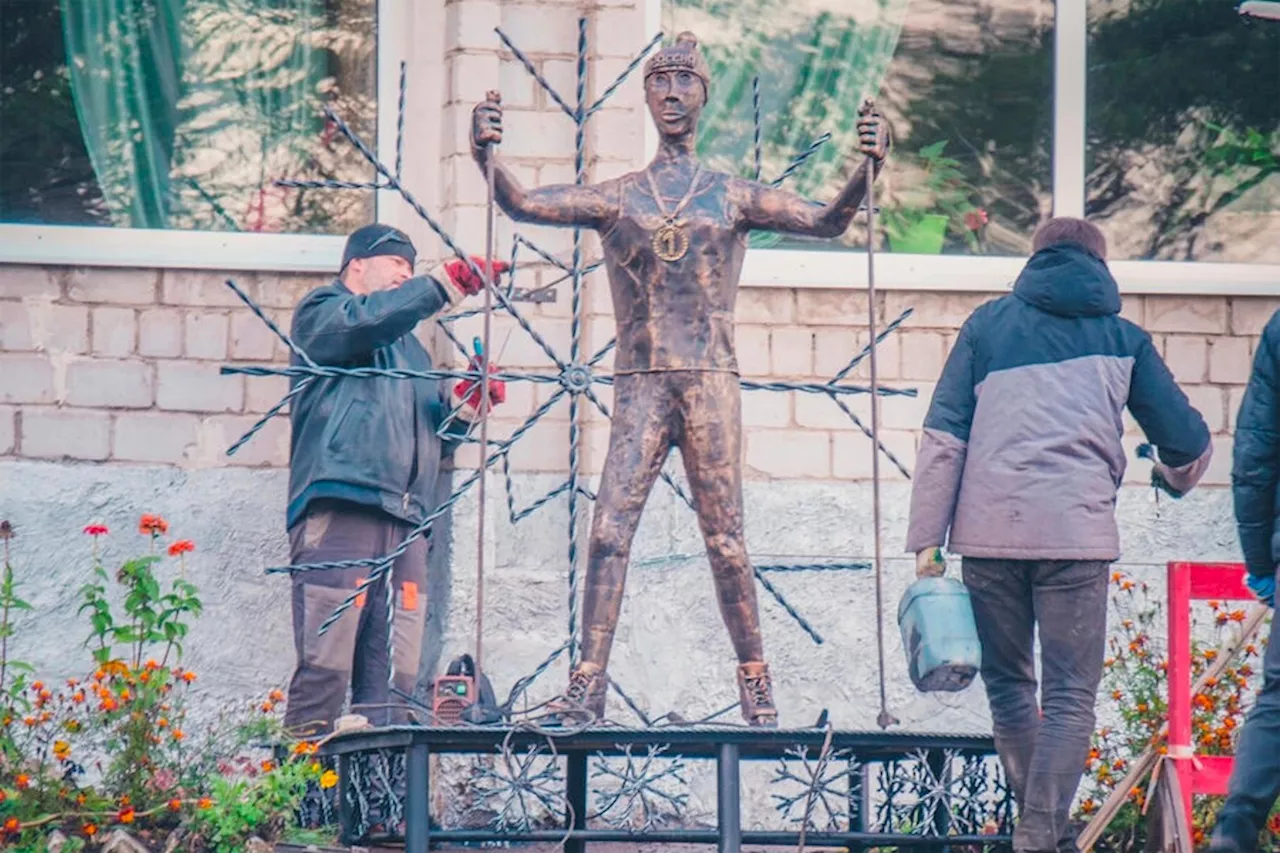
(96,530)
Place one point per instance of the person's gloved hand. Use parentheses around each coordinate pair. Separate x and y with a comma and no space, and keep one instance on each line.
(1264,588)
(467,392)
(1158,469)
(930,563)
(460,280)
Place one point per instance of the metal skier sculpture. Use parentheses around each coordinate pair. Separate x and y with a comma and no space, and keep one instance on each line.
(674,237)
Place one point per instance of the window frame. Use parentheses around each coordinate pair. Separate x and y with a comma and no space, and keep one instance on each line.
(847,269)
(101,246)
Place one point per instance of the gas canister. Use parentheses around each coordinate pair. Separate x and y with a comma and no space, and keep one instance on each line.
(939,635)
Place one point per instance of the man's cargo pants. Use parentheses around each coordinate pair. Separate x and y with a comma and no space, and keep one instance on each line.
(354,649)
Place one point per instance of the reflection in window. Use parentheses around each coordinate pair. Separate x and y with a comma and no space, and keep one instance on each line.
(966,85)
(184,113)
(1184,131)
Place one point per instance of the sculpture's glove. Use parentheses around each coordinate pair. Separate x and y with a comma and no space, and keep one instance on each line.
(467,393)
(459,280)
(1264,588)
(930,563)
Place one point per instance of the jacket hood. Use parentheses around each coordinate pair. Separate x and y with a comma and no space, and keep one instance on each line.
(1069,282)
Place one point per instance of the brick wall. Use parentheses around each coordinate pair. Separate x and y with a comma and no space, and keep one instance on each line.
(123,365)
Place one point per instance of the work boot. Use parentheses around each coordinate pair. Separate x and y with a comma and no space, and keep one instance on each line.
(755,689)
(585,694)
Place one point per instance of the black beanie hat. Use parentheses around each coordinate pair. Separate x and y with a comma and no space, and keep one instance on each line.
(378,239)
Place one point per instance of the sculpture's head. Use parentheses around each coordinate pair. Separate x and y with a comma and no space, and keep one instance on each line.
(676,82)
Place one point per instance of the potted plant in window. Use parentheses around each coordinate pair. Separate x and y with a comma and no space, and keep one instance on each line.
(918,223)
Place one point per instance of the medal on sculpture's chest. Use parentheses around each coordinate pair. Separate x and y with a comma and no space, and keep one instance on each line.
(670,239)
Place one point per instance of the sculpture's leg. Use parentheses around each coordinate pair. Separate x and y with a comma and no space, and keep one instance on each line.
(711,444)
(639,441)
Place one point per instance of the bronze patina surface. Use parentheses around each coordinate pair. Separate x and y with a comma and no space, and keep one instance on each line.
(674,238)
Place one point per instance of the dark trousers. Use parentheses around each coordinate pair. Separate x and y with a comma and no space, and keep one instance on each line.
(1255,779)
(1043,744)
(353,651)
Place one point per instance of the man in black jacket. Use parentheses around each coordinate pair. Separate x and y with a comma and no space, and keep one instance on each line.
(365,455)
(1255,477)
(1017,472)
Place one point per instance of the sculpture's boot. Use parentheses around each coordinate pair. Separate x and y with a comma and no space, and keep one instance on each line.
(582,702)
(755,688)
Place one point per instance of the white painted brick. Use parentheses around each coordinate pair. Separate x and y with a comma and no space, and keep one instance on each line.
(835,348)
(818,411)
(471,76)
(26,379)
(187,387)
(752,346)
(532,133)
(251,340)
(618,32)
(1196,314)
(544,448)
(1133,309)
(110,384)
(263,392)
(24,281)
(595,447)
(1187,358)
(517,86)
(114,331)
(922,355)
(8,429)
(114,286)
(539,28)
(206,335)
(268,449)
(464,182)
(852,455)
(469,25)
(166,437)
(194,287)
(1219,472)
(791,351)
(15,327)
(767,305)
(1248,315)
(563,77)
(65,434)
(789,454)
(1211,402)
(283,290)
(620,133)
(1235,397)
(1229,360)
(929,310)
(768,408)
(905,413)
(831,308)
(160,332)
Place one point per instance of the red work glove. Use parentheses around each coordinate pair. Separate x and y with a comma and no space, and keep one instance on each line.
(467,394)
(460,281)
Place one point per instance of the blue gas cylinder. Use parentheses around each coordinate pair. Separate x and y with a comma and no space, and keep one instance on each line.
(939,635)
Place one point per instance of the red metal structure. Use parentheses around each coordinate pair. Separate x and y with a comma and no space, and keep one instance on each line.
(1188,582)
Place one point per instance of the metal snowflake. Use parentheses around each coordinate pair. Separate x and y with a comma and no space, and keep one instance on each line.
(523,791)
(943,792)
(825,788)
(375,795)
(642,794)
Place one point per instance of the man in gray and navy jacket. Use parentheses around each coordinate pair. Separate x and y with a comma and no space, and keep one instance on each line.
(1018,471)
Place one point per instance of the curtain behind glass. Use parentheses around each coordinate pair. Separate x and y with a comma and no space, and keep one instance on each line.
(191,108)
(816,60)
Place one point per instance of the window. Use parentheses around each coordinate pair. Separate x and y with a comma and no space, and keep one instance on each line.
(182,114)
(967,86)
(1183,125)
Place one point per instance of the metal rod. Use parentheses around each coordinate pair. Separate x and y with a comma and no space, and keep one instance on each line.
(728,799)
(491,285)
(417,809)
(576,779)
(885,719)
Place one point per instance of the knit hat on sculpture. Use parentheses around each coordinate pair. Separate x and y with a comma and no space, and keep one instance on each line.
(377,239)
(681,56)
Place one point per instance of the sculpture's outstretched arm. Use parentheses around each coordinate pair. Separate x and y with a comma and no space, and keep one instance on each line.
(556,204)
(766,208)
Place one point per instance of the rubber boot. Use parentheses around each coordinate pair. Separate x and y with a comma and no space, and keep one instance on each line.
(755,688)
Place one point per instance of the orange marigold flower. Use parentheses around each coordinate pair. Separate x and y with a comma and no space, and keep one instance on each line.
(29,721)
(1214,605)
(61,750)
(1210,654)
(1127,586)
(1274,823)
(1116,577)
(328,779)
(152,525)
(182,546)
(22,781)
(162,723)
(267,707)
(1088,806)
(276,696)
(125,815)
(46,716)
(1220,619)
(12,826)
(178,734)
(1142,707)
(1237,615)
(109,704)
(268,766)
(205,803)
(188,676)
(90,829)
(151,665)
(96,530)
(304,748)
(175,805)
